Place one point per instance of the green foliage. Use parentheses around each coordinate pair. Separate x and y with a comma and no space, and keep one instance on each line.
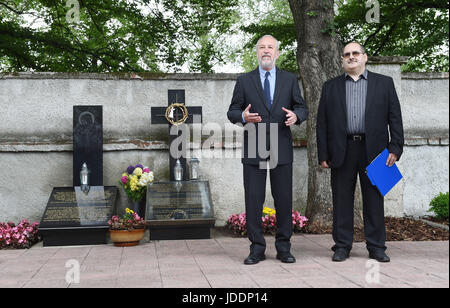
(414,28)
(113,35)
(277,22)
(440,206)
(418,29)
(168,35)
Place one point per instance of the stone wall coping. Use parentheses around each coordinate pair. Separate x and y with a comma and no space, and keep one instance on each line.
(120,76)
(139,144)
(425,75)
(387,60)
(158,76)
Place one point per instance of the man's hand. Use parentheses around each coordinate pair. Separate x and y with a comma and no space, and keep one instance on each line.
(324,165)
(251,117)
(392,158)
(291,117)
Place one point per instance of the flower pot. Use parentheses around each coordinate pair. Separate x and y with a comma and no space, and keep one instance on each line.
(125,238)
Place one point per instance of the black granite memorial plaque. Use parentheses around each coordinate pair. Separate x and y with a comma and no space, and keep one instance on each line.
(74,217)
(179,210)
(88,143)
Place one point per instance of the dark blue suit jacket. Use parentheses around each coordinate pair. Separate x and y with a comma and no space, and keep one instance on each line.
(248,90)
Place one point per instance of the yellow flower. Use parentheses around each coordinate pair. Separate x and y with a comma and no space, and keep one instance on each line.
(269,211)
(137,171)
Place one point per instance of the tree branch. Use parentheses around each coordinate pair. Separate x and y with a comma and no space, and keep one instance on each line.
(12,9)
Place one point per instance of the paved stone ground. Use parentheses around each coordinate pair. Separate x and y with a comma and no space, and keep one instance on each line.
(218,262)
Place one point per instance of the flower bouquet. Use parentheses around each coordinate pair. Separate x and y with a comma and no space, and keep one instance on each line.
(135,181)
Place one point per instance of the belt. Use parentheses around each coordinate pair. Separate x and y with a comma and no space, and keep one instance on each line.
(358,137)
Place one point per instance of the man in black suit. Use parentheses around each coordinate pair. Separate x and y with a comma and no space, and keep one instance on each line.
(268,101)
(359,116)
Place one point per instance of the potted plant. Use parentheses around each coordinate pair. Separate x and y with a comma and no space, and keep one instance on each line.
(134,182)
(24,235)
(128,230)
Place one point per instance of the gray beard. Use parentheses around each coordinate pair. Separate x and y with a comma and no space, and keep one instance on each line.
(266,65)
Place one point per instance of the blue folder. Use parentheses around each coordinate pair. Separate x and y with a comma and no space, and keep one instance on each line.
(382,176)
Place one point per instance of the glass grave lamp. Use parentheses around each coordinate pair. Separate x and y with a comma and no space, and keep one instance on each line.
(194,165)
(84,178)
(178,171)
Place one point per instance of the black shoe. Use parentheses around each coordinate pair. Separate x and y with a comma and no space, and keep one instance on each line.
(286,257)
(254,259)
(380,256)
(341,254)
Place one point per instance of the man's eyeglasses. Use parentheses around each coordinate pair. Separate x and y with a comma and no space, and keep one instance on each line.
(353,53)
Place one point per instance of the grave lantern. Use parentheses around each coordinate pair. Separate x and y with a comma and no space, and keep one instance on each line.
(84,178)
(194,165)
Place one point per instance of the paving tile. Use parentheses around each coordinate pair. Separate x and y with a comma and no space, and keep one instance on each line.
(46,283)
(149,274)
(95,283)
(218,263)
(12,283)
(72,252)
(138,283)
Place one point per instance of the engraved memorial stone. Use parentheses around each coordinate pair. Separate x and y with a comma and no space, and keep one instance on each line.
(179,210)
(76,217)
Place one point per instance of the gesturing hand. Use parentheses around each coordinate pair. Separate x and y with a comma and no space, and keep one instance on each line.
(251,117)
(291,117)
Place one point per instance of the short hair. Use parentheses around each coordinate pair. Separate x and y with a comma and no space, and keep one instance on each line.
(361,46)
(268,35)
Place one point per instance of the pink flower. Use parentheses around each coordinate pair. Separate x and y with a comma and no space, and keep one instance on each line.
(146,170)
(124,179)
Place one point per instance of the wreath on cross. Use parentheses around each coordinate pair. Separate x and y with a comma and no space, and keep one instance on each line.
(169,113)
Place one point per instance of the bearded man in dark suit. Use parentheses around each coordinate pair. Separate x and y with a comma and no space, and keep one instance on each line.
(359,116)
(268,101)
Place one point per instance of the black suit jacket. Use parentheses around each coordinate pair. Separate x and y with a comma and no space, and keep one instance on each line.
(249,90)
(383,118)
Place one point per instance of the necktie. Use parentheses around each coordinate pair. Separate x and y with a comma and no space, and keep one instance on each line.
(267,90)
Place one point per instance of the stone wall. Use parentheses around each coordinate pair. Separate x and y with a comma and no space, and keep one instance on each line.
(36,136)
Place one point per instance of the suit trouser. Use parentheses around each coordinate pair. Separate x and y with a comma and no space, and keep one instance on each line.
(343,182)
(255,194)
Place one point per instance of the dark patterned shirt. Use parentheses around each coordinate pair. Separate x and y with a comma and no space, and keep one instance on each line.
(356,93)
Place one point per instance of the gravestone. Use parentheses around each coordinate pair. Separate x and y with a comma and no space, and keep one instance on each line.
(158,116)
(88,143)
(179,210)
(74,216)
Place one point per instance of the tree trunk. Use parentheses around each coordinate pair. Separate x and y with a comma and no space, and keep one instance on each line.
(318,56)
